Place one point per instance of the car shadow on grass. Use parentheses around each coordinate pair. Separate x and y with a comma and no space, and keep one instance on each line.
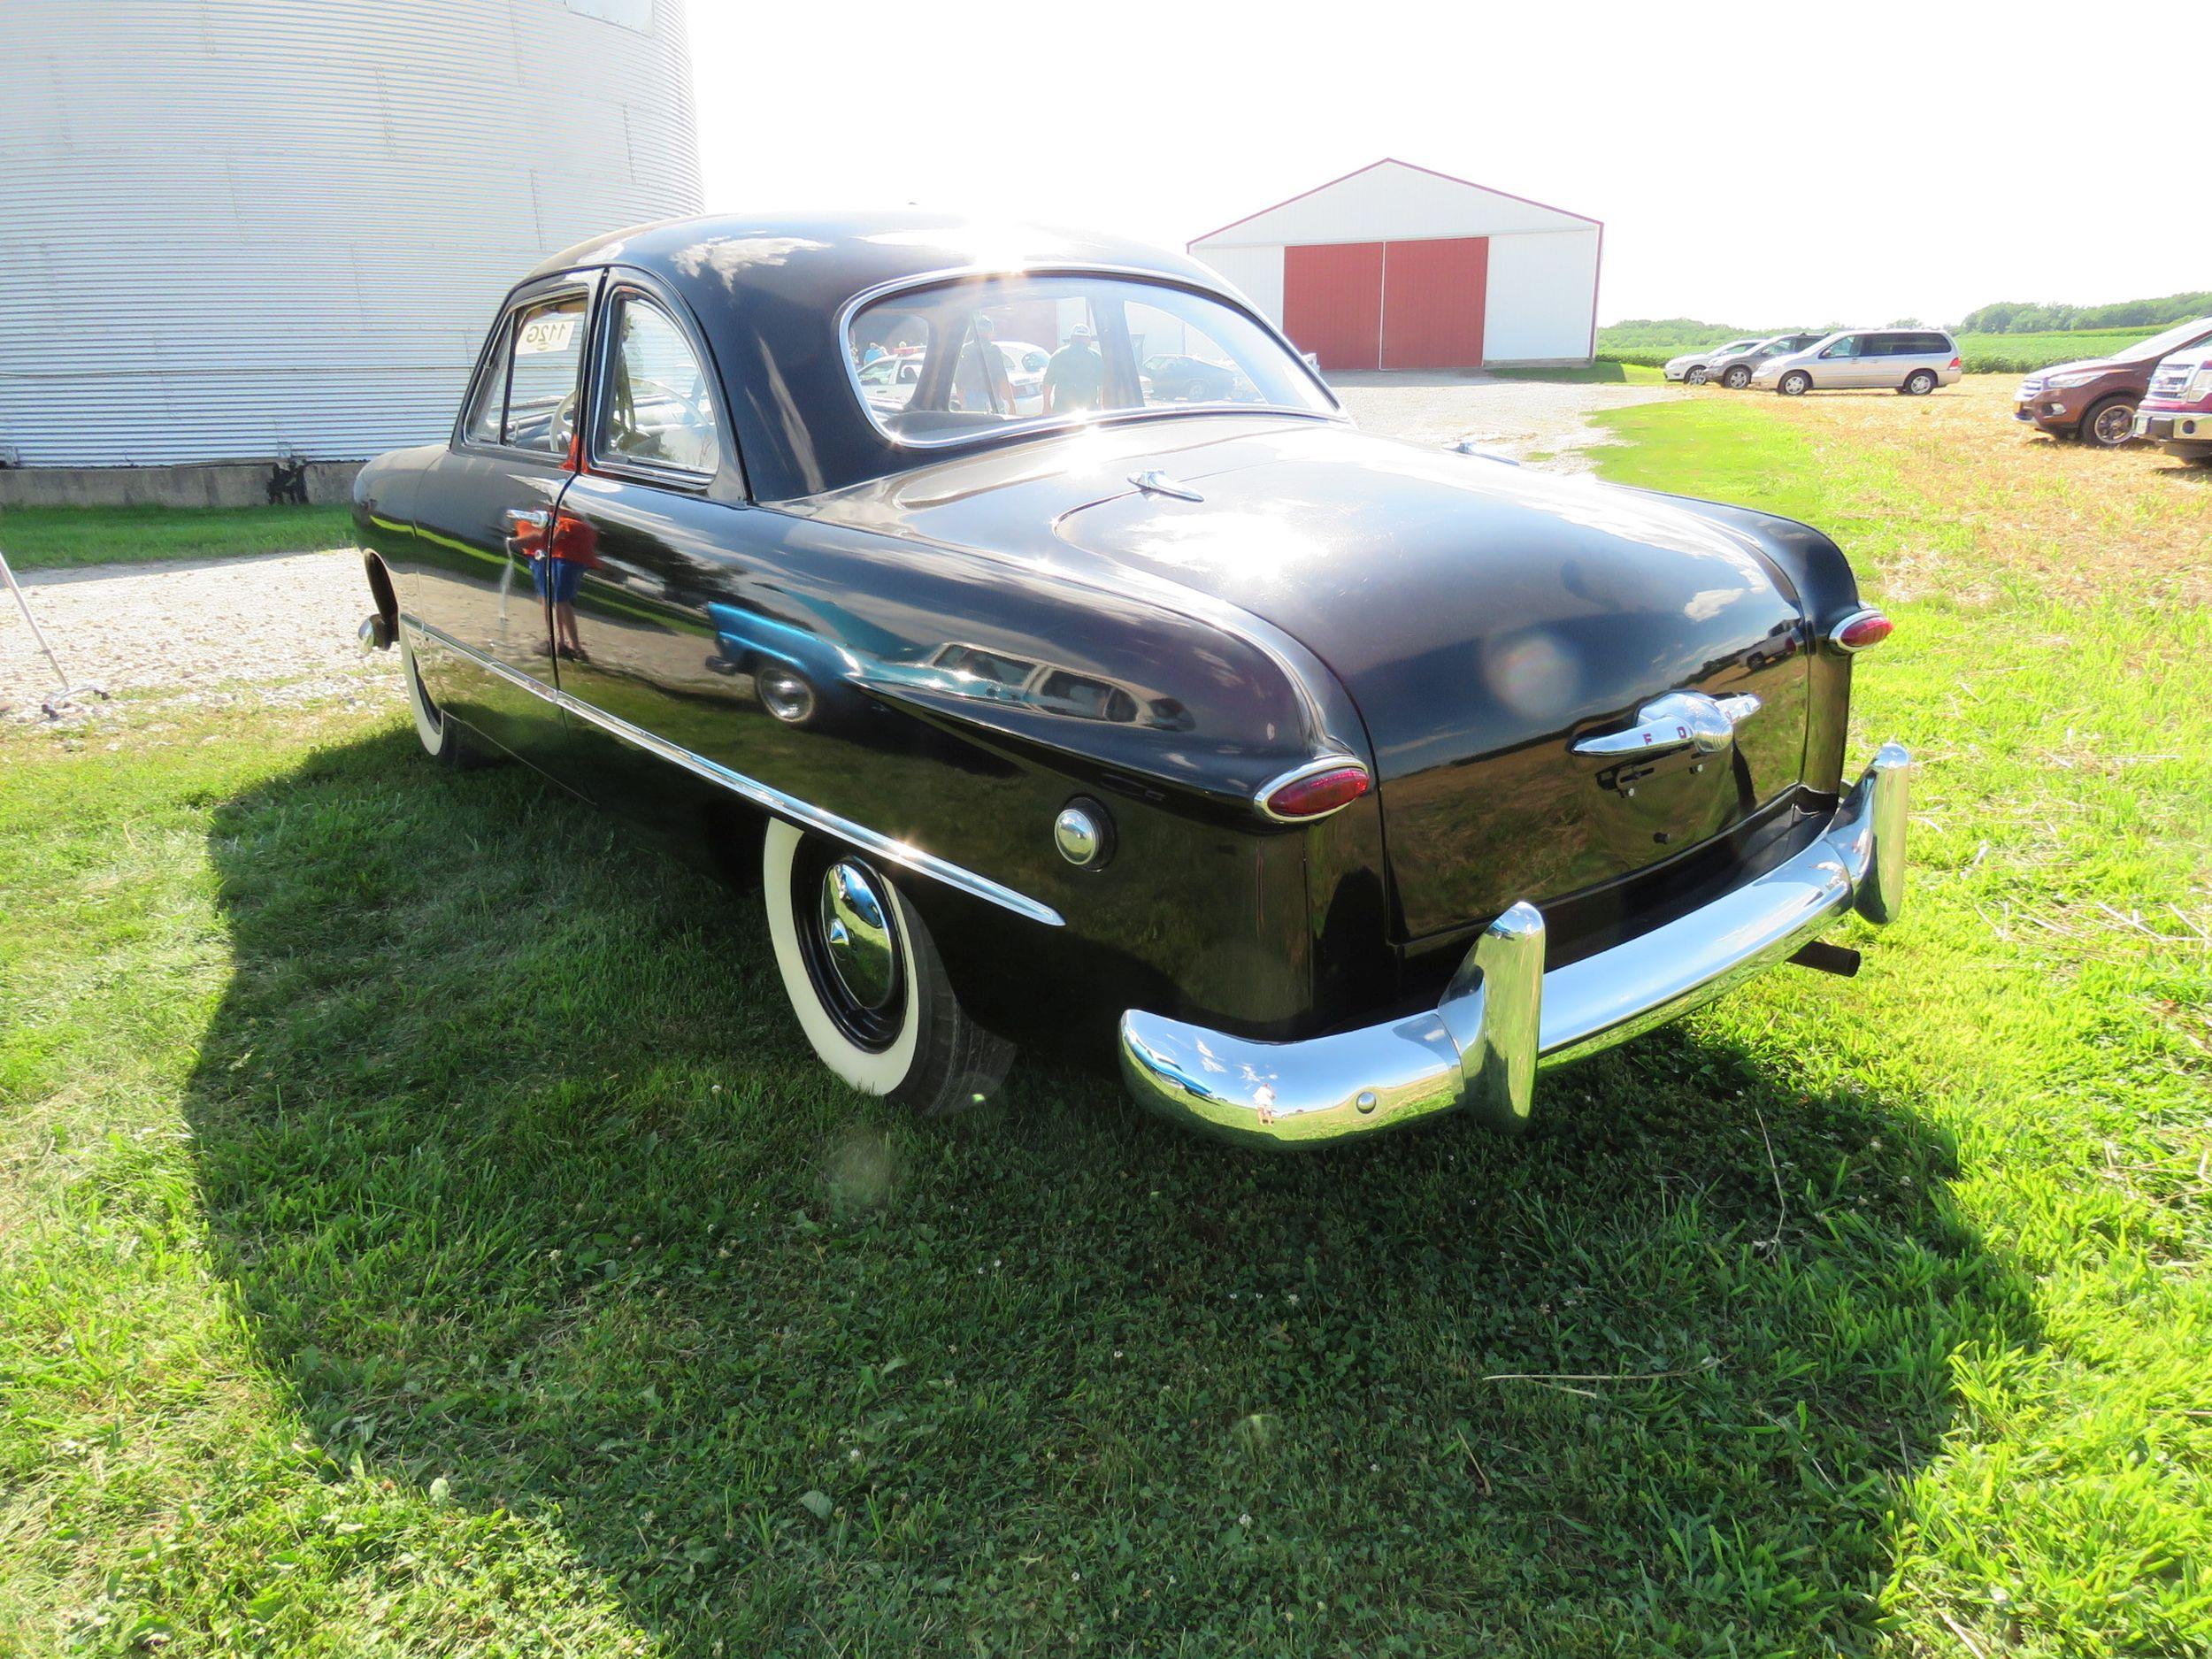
(529,1189)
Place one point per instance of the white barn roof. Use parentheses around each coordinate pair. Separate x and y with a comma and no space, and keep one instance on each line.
(1391,198)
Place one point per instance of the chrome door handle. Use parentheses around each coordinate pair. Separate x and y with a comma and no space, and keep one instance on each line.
(1682,719)
(527,528)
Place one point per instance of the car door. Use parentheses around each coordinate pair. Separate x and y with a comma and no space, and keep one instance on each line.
(678,655)
(1841,363)
(1890,358)
(484,585)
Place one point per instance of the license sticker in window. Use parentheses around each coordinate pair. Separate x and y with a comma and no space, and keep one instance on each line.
(545,333)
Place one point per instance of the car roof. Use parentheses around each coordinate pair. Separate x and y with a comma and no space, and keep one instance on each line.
(767,291)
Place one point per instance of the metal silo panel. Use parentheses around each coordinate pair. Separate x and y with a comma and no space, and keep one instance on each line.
(232,226)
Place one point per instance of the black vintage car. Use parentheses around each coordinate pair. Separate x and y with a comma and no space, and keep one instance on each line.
(1331,781)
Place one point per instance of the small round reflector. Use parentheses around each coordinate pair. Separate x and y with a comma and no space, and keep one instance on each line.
(1316,794)
(1860,629)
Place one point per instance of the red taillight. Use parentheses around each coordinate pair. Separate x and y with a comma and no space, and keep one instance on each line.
(1860,629)
(1954,363)
(1316,791)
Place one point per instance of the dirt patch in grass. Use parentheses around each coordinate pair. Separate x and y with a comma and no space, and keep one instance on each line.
(2072,520)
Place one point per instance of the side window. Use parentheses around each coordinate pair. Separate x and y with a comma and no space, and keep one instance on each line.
(489,408)
(657,407)
(1935,344)
(1847,347)
(548,344)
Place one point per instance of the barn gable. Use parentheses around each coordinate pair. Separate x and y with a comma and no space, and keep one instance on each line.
(1396,266)
(1380,200)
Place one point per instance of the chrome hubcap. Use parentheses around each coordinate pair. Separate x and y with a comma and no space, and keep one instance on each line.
(784,694)
(857,934)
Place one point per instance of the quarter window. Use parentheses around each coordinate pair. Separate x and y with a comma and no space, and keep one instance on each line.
(657,410)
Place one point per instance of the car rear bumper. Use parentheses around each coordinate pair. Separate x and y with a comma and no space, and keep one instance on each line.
(1503,1018)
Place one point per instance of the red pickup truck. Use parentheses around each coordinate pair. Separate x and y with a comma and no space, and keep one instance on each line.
(2176,412)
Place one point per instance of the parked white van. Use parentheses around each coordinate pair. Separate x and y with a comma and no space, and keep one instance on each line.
(1914,361)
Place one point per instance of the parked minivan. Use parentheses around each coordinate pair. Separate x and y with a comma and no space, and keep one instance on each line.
(1914,361)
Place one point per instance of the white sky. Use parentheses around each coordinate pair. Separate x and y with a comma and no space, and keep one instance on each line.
(1754,162)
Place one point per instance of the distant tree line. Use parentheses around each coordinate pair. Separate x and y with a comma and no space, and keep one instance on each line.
(2013,318)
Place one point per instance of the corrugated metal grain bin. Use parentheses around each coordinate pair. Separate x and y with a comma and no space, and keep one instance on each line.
(234,228)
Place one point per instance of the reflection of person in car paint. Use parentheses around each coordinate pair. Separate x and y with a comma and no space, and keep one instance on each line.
(556,579)
(1076,377)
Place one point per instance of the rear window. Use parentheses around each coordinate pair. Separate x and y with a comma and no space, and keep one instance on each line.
(1087,340)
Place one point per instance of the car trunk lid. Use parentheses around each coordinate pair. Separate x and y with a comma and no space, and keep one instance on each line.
(1486,621)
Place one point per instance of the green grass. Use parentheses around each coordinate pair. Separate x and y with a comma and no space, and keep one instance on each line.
(1589,374)
(422,1229)
(44,538)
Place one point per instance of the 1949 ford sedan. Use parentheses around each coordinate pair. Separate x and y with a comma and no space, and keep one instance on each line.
(1331,781)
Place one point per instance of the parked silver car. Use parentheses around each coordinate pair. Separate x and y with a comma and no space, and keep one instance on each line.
(1693,366)
(1915,361)
(1734,369)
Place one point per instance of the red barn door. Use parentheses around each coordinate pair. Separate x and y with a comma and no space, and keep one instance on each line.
(1332,302)
(1433,303)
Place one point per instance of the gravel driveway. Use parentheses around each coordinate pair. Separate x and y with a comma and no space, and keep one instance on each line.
(213,631)
(200,630)
(1548,420)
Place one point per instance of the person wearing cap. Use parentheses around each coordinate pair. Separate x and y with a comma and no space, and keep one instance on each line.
(1076,377)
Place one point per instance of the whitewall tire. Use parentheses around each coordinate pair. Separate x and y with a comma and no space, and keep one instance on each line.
(442,740)
(866,982)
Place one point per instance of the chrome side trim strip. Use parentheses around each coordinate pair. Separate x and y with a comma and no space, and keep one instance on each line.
(765,796)
(1504,1019)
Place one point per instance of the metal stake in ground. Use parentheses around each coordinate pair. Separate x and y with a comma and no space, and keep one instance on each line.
(65,693)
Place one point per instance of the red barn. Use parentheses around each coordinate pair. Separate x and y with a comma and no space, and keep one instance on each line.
(1397,266)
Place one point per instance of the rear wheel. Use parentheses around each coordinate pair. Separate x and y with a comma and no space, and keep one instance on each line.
(2110,424)
(1919,383)
(864,978)
(786,693)
(1796,383)
(442,739)
(1737,378)
(1699,375)
(1194,392)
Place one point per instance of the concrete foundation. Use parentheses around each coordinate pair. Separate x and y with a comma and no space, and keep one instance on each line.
(207,484)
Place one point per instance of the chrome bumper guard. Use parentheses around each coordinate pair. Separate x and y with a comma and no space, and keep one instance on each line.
(1502,1018)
